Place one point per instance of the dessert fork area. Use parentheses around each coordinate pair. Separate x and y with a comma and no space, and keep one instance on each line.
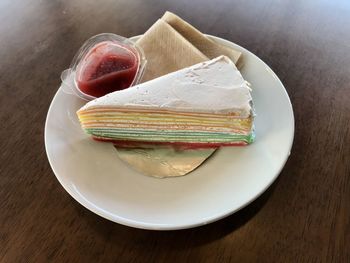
(303,216)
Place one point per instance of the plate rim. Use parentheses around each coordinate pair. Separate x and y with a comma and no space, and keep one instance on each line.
(164,227)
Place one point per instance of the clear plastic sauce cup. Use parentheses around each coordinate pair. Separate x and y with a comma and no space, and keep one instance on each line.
(104,64)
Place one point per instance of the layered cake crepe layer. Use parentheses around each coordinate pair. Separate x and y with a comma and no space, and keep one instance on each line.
(206,105)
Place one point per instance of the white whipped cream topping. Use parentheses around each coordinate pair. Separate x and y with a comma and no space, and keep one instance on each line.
(214,86)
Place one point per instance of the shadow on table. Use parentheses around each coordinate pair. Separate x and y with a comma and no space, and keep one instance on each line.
(147,239)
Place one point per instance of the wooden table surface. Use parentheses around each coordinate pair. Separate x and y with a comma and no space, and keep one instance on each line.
(303,217)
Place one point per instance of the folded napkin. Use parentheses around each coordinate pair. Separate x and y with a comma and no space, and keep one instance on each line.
(171,44)
(204,44)
(167,51)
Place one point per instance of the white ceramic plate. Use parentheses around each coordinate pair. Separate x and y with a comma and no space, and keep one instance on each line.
(94,176)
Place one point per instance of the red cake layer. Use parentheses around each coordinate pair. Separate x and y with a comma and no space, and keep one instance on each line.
(182,145)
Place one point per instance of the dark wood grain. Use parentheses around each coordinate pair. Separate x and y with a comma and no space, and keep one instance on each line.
(303,217)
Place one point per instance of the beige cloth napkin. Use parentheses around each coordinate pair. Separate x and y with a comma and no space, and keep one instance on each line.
(207,46)
(167,51)
(172,44)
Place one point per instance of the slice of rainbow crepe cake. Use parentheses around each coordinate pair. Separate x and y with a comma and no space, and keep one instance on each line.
(206,105)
